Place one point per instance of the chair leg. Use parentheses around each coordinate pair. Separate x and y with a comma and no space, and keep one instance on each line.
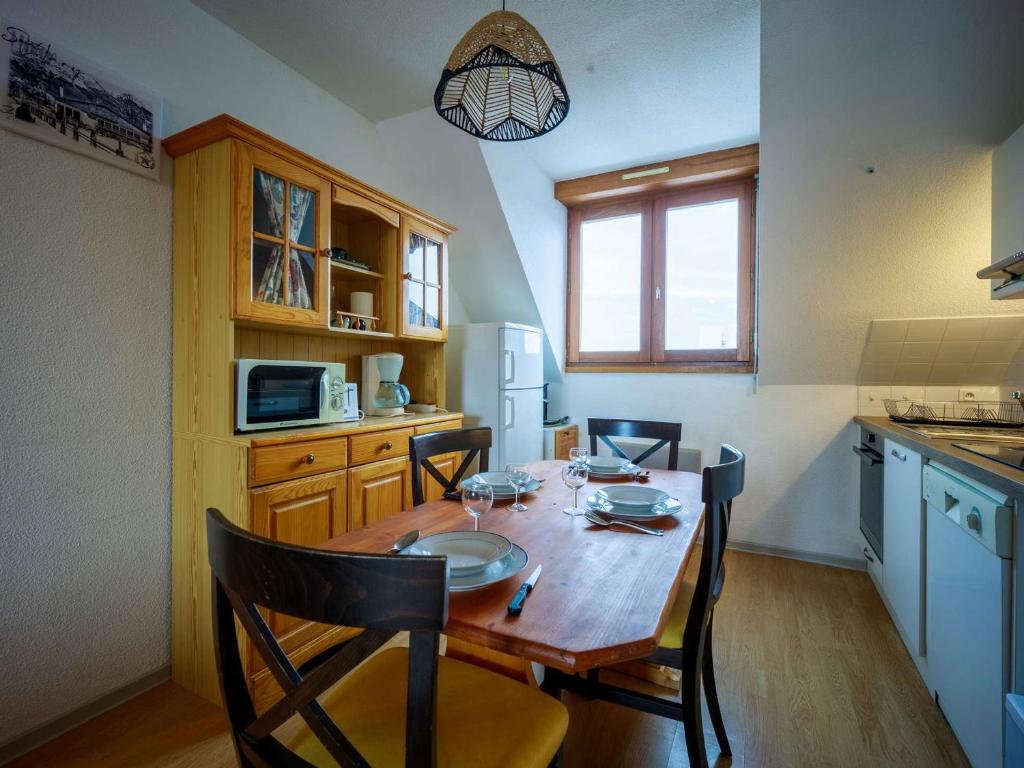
(693,726)
(711,691)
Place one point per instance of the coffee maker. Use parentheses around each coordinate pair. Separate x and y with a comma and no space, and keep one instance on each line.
(381,393)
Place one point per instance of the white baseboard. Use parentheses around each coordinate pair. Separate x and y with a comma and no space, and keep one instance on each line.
(36,737)
(837,561)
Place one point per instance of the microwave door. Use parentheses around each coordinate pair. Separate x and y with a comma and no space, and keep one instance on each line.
(284,395)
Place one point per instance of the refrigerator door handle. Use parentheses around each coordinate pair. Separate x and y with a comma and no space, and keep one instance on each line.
(509,361)
(510,412)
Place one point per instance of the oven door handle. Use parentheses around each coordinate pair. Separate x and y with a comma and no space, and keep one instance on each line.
(867,456)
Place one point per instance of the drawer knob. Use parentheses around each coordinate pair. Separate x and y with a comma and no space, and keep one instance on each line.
(309,458)
(388,445)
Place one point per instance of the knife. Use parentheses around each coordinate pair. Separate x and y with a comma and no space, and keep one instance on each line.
(516,606)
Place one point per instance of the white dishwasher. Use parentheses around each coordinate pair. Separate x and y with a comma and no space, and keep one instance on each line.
(968,592)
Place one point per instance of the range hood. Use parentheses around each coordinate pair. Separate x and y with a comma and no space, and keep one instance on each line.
(1011,271)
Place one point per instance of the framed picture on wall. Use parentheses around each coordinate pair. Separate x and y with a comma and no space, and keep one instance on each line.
(54,95)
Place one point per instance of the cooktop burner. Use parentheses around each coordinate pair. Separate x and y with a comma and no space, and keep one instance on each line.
(1010,455)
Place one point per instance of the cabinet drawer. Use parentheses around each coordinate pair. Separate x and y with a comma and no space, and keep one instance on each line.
(273,463)
(441,426)
(565,439)
(376,446)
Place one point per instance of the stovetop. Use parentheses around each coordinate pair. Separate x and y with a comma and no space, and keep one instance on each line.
(1010,455)
(1007,436)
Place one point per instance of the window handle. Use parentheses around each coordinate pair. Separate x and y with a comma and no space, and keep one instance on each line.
(657,293)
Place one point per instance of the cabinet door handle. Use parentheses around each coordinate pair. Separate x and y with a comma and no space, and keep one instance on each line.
(867,554)
(896,455)
(387,445)
(309,458)
(407,276)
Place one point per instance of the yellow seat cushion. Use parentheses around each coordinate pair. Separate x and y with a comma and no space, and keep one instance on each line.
(672,634)
(483,719)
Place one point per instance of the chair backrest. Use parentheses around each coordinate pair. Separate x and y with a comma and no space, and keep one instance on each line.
(721,484)
(381,593)
(474,442)
(665,432)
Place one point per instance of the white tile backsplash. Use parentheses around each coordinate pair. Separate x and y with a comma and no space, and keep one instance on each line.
(888,330)
(966,329)
(918,352)
(1005,328)
(926,329)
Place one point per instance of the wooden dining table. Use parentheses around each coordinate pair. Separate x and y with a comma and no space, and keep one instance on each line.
(604,593)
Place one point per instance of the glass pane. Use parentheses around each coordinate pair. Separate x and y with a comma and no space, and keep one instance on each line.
(268,272)
(414,303)
(701,269)
(302,224)
(433,258)
(414,258)
(610,301)
(432,308)
(267,203)
(301,279)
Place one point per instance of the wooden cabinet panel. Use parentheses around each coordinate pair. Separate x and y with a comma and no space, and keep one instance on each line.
(566,439)
(281,233)
(379,490)
(440,426)
(446,464)
(376,446)
(287,461)
(305,512)
(423,281)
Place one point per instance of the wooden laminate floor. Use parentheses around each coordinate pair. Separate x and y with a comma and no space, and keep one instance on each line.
(811,673)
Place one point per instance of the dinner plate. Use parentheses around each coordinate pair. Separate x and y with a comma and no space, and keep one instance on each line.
(632,496)
(503,569)
(468,552)
(507,492)
(606,464)
(663,509)
(496,480)
(625,471)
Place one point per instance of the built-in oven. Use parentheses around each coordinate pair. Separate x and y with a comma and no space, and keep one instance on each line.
(872,475)
(288,393)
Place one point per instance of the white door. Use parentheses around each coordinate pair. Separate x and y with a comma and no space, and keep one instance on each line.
(522,358)
(521,434)
(903,523)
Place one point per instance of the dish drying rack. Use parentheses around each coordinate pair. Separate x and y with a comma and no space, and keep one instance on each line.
(966,413)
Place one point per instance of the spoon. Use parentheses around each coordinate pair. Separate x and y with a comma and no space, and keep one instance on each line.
(597,519)
(405,540)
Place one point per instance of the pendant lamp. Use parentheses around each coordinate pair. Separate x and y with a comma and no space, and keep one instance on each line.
(501,82)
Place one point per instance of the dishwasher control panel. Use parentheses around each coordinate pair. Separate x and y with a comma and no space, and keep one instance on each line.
(981,511)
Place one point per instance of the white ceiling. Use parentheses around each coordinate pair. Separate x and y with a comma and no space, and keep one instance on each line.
(647,80)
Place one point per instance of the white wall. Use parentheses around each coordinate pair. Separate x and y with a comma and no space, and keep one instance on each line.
(1008,197)
(85,451)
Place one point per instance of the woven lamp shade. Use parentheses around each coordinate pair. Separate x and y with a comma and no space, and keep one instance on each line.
(501,82)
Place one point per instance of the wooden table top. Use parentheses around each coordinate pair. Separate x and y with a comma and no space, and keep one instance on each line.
(604,593)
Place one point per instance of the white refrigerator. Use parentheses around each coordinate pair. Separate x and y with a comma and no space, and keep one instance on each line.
(495,376)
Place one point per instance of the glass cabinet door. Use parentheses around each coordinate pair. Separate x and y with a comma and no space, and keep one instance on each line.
(423,300)
(282,233)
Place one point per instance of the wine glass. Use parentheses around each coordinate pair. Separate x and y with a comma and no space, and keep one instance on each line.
(518,476)
(579,455)
(477,499)
(574,476)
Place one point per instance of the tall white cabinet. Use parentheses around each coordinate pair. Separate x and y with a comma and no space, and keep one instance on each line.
(903,524)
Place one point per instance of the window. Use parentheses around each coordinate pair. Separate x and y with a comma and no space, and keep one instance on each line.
(664,280)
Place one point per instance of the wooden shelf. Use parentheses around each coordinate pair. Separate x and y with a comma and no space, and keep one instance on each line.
(357,332)
(356,270)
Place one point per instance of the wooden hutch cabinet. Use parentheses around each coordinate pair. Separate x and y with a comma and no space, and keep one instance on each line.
(269,246)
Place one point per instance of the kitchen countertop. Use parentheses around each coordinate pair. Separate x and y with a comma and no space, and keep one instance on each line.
(345,428)
(999,476)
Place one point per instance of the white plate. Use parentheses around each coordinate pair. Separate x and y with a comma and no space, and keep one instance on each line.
(606,464)
(625,471)
(467,551)
(632,496)
(508,492)
(664,509)
(496,480)
(505,568)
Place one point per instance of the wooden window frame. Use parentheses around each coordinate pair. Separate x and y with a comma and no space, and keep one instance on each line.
(652,356)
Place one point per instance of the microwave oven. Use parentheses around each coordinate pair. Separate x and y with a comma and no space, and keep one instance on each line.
(288,393)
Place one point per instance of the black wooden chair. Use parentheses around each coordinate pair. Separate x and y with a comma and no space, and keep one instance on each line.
(422,447)
(403,706)
(686,641)
(665,432)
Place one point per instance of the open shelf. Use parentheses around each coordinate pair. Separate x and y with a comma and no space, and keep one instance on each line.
(356,270)
(357,332)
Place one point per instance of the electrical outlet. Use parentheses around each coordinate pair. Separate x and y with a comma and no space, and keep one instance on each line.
(975,394)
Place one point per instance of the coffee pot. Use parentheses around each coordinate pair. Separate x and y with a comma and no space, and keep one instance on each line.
(383,394)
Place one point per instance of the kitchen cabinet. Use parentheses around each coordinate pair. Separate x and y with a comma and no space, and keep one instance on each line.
(423,287)
(379,490)
(282,229)
(446,464)
(903,525)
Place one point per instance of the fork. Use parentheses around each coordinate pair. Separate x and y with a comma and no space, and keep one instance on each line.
(598,519)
